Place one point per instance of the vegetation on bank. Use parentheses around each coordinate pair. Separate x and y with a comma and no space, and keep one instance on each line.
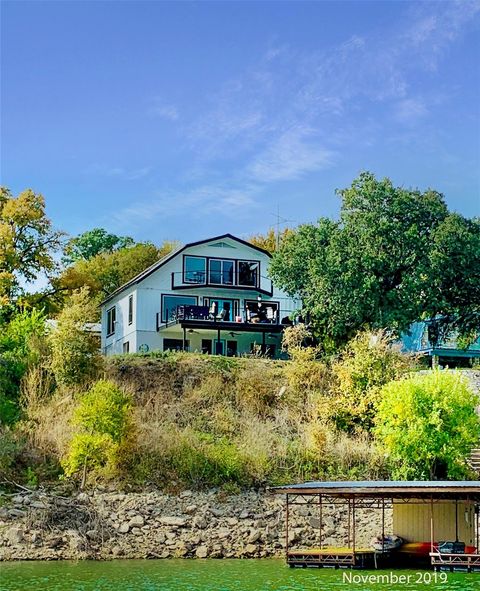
(345,405)
(176,420)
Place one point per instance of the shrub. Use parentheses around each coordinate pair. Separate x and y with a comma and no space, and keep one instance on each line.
(368,362)
(75,352)
(104,428)
(427,424)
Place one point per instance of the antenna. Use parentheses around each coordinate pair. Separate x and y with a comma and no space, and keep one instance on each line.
(279,222)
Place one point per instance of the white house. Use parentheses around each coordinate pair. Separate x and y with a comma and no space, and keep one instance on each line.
(212,296)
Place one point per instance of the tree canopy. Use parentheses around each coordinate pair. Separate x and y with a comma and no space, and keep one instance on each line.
(395,256)
(27,241)
(93,242)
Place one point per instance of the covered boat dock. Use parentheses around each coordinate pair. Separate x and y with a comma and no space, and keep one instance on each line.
(438,522)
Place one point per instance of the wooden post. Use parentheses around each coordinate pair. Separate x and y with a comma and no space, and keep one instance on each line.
(431,524)
(348,527)
(456,520)
(320,517)
(383,525)
(286,530)
(184,338)
(353,527)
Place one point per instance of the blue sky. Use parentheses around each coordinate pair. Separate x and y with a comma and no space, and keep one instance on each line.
(182,120)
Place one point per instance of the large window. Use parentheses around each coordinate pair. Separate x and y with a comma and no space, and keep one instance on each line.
(195,269)
(170,303)
(111,318)
(223,309)
(248,273)
(220,272)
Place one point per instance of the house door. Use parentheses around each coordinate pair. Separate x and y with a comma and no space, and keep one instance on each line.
(226,305)
(219,346)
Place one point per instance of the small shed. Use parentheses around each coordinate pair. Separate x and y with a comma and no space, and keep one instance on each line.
(425,514)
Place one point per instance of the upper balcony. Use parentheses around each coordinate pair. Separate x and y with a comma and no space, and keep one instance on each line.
(209,272)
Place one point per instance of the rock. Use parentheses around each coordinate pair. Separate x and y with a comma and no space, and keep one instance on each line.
(254,536)
(17,500)
(91,534)
(186,494)
(16,513)
(190,509)
(39,505)
(250,549)
(15,535)
(173,521)
(199,522)
(137,521)
(124,528)
(244,514)
(54,543)
(215,512)
(201,552)
(232,521)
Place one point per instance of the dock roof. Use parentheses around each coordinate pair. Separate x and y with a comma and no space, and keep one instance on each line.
(387,488)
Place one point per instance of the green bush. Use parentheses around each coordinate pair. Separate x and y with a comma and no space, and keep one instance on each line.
(427,424)
(368,362)
(21,344)
(75,352)
(104,431)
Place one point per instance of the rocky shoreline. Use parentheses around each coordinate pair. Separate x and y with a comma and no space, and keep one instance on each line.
(107,525)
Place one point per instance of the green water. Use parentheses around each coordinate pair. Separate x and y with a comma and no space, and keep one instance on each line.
(210,575)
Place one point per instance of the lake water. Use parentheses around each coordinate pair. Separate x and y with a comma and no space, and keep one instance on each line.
(215,575)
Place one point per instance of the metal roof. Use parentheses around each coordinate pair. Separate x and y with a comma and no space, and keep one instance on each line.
(373,488)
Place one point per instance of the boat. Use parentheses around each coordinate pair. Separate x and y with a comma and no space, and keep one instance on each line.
(386,543)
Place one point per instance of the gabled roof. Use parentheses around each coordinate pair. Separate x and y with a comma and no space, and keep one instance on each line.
(149,270)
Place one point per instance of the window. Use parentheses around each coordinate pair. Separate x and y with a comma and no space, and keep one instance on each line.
(194,269)
(220,272)
(126,347)
(232,348)
(206,346)
(170,303)
(174,345)
(130,309)
(111,319)
(248,273)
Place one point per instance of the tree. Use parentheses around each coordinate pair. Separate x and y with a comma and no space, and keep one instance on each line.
(27,241)
(269,241)
(380,265)
(104,426)
(75,351)
(93,242)
(21,341)
(428,424)
(102,274)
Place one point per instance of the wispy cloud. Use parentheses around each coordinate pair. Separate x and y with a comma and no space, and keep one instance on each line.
(410,110)
(290,156)
(223,201)
(164,110)
(133,174)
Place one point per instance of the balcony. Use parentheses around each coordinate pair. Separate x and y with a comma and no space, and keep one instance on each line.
(219,280)
(266,319)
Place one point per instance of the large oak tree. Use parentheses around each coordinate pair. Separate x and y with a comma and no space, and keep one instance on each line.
(395,255)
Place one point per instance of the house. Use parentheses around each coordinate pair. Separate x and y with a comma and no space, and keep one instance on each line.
(212,296)
(422,339)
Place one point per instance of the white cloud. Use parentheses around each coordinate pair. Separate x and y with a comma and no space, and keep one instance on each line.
(410,110)
(164,110)
(132,174)
(290,156)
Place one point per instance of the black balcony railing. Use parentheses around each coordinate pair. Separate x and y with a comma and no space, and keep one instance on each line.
(266,315)
(219,279)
